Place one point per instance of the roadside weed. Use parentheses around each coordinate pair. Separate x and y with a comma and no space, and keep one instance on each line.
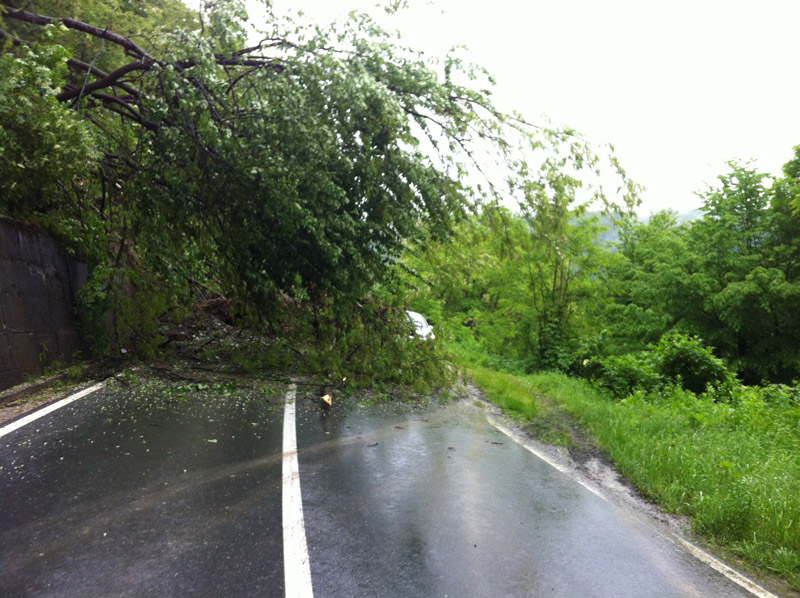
(734,469)
(506,391)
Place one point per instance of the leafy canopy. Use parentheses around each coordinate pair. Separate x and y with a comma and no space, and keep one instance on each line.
(298,166)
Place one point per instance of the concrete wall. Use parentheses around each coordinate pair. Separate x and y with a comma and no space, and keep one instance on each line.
(37,299)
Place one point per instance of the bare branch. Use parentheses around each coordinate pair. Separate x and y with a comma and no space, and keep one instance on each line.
(225,61)
(14,39)
(81,65)
(107,81)
(132,112)
(37,19)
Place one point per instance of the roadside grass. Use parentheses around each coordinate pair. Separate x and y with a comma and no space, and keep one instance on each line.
(512,394)
(732,468)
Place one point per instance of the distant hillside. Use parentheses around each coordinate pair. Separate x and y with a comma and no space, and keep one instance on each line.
(611,234)
(689,216)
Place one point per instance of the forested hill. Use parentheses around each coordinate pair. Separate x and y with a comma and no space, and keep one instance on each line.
(610,235)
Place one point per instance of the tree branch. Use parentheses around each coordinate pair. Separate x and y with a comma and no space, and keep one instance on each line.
(131,111)
(126,111)
(84,66)
(37,19)
(14,39)
(107,81)
(144,62)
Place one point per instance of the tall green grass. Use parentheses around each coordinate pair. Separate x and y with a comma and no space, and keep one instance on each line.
(510,393)
(734,469)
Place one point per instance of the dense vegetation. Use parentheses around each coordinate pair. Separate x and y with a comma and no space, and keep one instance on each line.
(699,301)
(185,164)
(322,180)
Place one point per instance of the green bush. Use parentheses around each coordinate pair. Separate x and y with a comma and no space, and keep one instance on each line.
(685,361)
(623,374)
(781,395)
(677,360)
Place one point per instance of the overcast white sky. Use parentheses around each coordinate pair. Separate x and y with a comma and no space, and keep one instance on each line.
(678,87)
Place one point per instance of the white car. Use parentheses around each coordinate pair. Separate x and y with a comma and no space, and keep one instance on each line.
(421,327)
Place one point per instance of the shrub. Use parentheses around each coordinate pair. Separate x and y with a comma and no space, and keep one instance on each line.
(685,361)
(676,360)
(623,374)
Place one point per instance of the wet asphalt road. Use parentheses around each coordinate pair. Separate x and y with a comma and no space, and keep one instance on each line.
(121,494)
(136,493)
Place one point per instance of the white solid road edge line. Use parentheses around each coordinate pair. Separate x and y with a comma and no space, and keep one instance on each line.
(521,441)
(724,569)
(16,425)
(695,551)
(295,550)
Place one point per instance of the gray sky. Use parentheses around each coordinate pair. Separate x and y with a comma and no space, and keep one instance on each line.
(678,87)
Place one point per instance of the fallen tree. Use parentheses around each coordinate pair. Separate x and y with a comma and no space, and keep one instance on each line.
(186,160)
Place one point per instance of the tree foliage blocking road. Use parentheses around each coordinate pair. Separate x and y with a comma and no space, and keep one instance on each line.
(297,166)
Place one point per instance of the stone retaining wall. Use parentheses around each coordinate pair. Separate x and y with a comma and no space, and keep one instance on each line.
(38,284)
